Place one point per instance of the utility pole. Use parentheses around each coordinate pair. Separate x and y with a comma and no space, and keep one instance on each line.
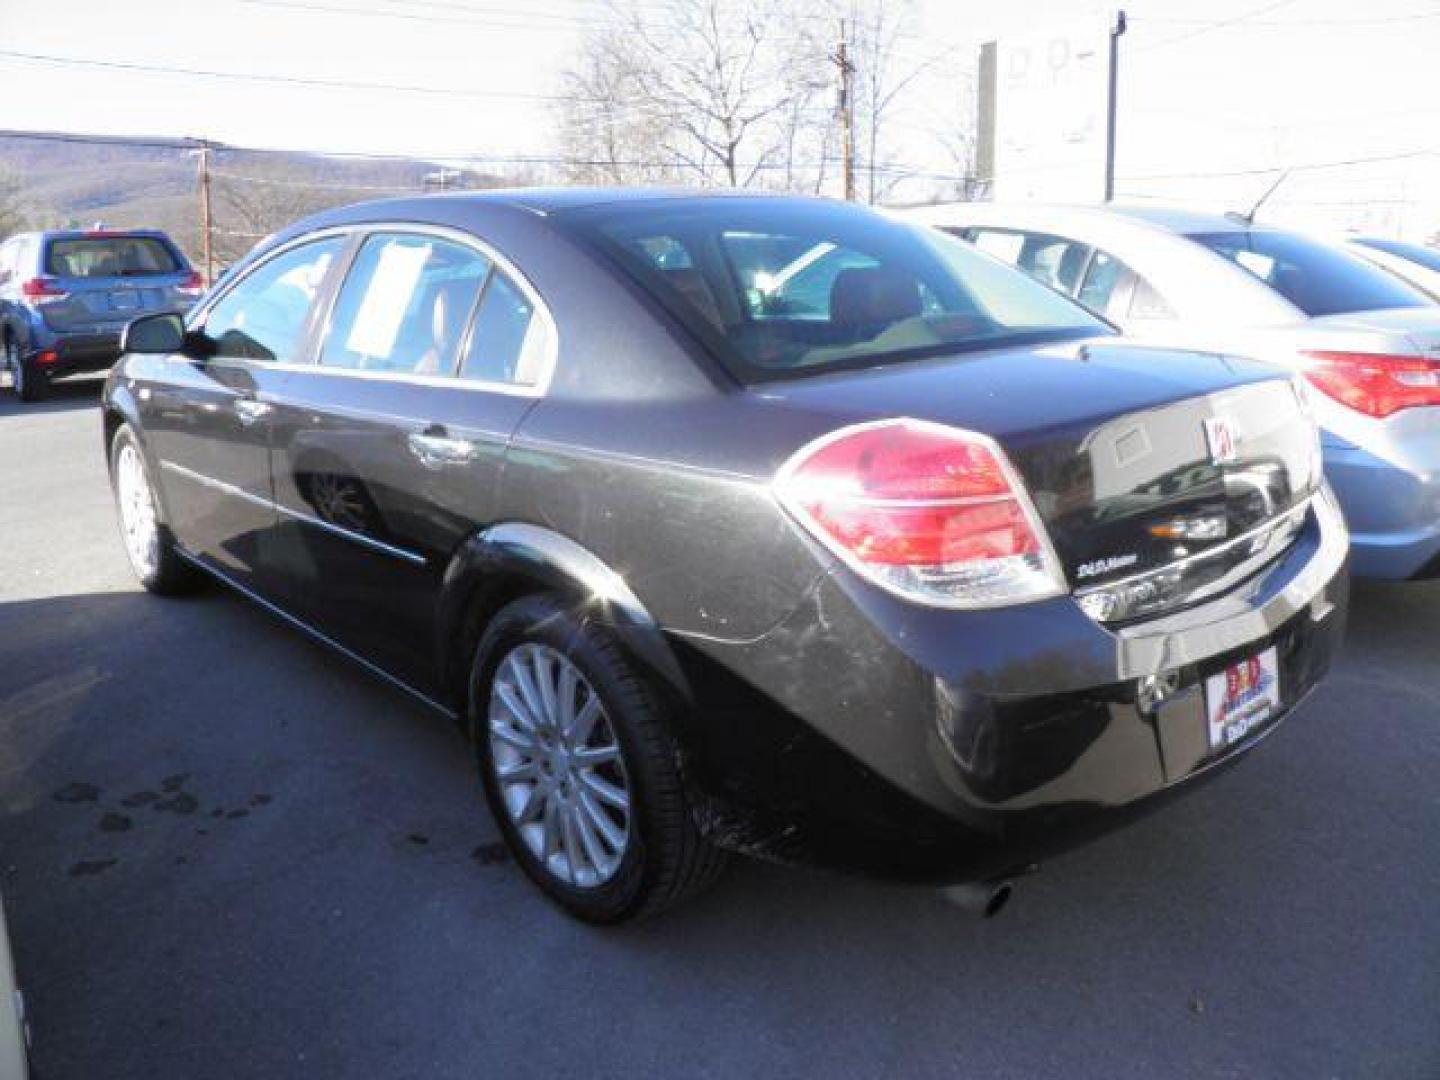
(207,225)
(1117,29)
(847,113)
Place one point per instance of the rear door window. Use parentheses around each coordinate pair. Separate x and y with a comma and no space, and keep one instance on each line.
(1000,243)
(404,305)
(109,256)
(265,315)
(1051,260)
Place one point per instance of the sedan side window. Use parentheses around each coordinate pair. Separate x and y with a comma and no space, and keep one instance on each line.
(1050,260)
(1147,303)
(404,305)
(264,316)
(508,344)
(1108,286)
(1001,243)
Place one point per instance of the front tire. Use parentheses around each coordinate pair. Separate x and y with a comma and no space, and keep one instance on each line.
(579,767)
(148,542)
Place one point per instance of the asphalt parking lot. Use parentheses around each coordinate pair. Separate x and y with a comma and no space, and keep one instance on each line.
(227,853)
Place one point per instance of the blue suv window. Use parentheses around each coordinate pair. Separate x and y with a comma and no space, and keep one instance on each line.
(109,256)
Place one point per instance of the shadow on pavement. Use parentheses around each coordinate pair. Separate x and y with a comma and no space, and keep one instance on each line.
(81,392)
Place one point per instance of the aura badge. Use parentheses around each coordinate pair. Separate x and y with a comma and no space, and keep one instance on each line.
(1220,438)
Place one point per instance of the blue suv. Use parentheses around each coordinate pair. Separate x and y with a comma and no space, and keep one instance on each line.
(65,297)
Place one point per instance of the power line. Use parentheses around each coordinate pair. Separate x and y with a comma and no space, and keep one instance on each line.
(518,19)
(1306,167)
(1210,28)
(548,19)
(1364,20)
(286,80)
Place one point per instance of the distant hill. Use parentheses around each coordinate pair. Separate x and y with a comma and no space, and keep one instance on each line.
(76,181)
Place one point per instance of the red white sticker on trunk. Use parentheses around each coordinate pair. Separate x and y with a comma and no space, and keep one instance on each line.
(1220,438)
(1241,698)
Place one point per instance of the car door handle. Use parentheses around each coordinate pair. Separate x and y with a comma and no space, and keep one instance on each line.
(435,448)
(250,410)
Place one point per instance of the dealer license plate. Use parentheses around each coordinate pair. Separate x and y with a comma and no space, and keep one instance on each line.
(1242,698)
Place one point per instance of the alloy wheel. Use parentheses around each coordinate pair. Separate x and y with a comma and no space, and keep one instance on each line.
(558,766)
(338,500)
(137,511)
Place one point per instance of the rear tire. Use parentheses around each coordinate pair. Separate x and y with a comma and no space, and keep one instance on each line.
(149,544)
(539,642)
(28,384)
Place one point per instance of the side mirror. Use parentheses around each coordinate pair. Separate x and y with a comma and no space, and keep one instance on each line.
(154,334)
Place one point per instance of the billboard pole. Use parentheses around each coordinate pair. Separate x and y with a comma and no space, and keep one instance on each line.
(1117,28)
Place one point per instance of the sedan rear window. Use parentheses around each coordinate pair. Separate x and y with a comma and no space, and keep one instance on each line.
(109,256)
(1427,257)
(779,290)
(1315,277)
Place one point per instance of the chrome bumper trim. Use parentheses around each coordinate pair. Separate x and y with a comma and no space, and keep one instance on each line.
(1236,619)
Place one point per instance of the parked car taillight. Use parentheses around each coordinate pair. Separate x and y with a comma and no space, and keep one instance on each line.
(42,290)
(193,285)
(1375,385)
(931,513)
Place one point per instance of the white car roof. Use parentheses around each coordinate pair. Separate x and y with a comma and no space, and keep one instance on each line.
(1196,282)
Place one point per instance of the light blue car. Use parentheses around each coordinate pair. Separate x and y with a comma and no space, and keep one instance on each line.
(1366,342)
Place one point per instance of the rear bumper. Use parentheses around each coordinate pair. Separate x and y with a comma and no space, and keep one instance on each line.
(1393,512)
(948,748)
(77,353)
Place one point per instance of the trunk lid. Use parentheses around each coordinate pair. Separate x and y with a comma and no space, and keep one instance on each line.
(104,304)
(1418,327)
(1138,460)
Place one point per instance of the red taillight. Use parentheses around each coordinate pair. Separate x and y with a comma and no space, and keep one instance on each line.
(41,289)
(1375,385)
(930,512)
(49,356)
(193,284)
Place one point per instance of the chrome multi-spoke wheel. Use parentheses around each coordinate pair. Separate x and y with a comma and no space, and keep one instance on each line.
(153,554)
(580,764)
(339,500)
(137,511)
(558,766)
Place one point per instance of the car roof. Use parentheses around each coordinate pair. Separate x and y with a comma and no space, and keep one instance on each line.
(1180,220)
(1170,219)
(1154,241)
(94,234)
(546,200)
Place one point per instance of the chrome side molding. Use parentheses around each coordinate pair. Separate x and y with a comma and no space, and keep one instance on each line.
(295,515)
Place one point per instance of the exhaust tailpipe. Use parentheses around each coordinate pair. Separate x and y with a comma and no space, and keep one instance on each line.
(983,898)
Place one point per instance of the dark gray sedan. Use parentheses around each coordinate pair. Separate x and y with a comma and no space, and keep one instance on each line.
(740,523)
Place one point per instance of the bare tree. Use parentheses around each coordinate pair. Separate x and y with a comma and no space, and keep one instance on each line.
(707,90)
(608,129)
(254,199)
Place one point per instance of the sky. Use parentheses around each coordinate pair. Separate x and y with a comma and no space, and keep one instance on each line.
(1207,87)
